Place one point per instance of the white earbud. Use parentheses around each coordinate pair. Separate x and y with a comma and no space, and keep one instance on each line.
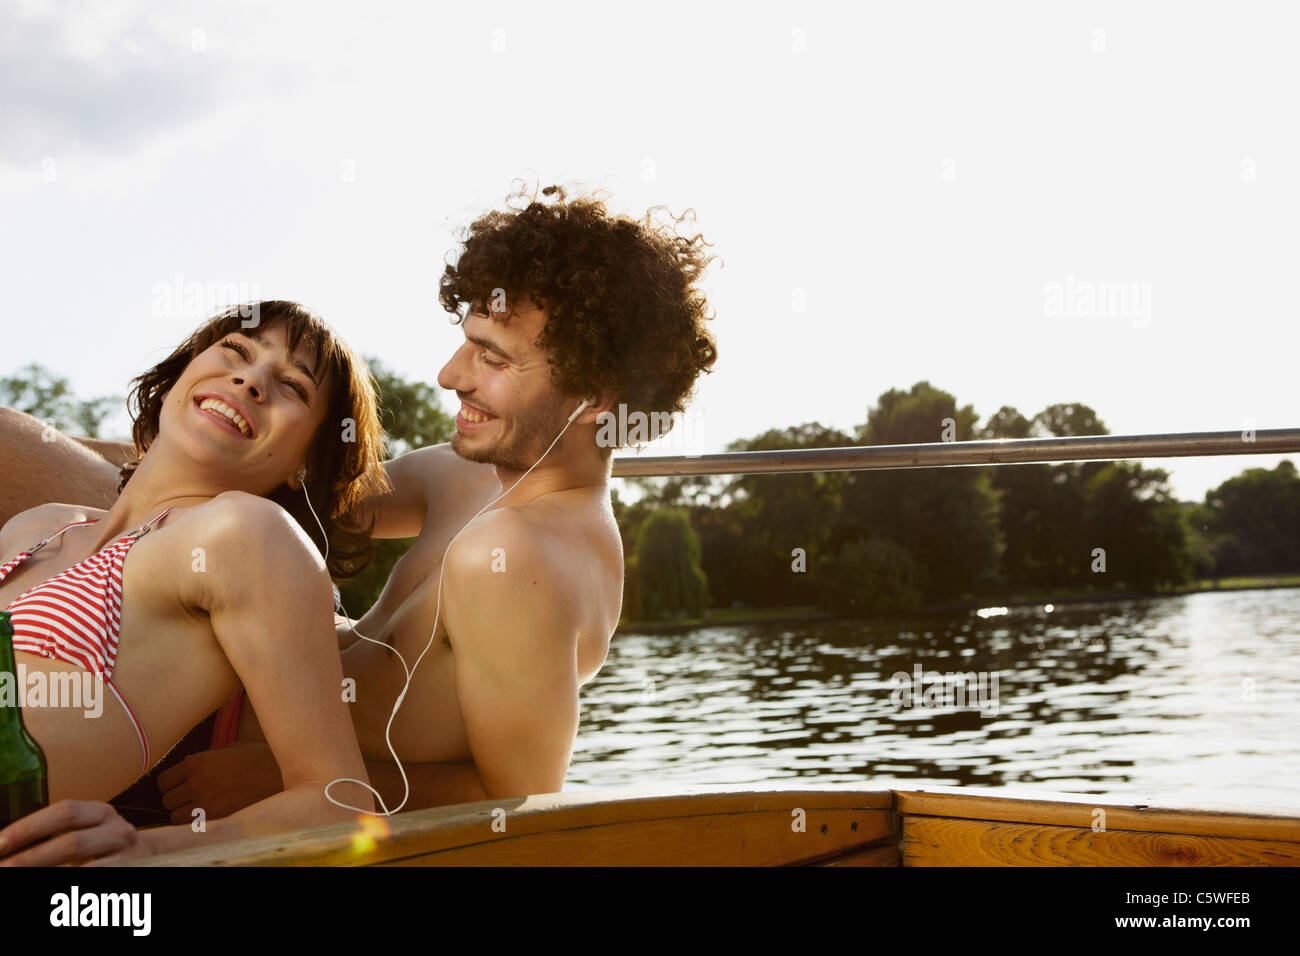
(586,403)
(302,474)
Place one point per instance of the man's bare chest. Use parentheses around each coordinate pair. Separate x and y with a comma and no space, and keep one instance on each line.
(429,726)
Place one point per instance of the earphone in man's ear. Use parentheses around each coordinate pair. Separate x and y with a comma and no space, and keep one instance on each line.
(586,403)
(302,474)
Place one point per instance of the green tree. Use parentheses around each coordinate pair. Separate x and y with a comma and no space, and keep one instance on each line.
(777,527)
(726,555)
(1023,494)
(1200,549)
(1006,422)
(1041,507)
(1253,521)
(412,418)
(411,413)
(1132,515)
(871,576)
(1068,420)
(40,393)
(946,518)
(672,583)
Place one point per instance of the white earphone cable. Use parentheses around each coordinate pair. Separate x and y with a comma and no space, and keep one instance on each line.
(410,671)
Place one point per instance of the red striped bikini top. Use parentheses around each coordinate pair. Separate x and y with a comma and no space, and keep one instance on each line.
(75,616)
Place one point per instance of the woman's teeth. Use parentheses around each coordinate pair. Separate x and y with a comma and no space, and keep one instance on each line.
(224,409)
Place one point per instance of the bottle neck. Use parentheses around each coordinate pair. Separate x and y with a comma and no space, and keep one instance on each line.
(10,691)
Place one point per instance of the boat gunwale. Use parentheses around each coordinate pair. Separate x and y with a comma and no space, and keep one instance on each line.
(529,816)
(460,827)
(1048,808)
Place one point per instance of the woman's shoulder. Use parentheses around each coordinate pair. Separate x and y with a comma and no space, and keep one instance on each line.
(252,524)
(242,504)
(245,514)
(243,540)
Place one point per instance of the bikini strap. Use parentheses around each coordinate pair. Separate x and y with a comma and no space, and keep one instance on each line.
(144,529)
(147,527)
(70,524)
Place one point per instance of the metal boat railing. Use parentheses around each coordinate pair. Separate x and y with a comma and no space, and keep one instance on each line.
(1006,451)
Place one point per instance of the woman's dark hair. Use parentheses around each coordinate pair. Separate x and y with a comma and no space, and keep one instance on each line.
(344,468)
(624,315)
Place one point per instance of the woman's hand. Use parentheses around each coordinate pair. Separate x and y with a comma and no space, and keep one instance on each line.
(220,781)
(71,832)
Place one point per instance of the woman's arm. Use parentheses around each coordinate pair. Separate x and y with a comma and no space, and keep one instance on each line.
(267,595)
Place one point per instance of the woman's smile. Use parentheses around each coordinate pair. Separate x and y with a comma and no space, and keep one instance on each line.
(211,409)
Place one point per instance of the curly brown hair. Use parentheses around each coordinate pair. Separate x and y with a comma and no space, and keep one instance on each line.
(341,473)
(624,315)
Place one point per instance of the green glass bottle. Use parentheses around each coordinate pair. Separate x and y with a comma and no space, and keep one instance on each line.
(23,786)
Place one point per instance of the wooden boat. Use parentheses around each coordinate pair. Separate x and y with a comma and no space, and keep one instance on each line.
(822,827)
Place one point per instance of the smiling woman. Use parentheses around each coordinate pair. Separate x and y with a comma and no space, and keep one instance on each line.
(223,589)
(341,473)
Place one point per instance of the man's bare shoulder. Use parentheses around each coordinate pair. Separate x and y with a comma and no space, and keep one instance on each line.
(505,560)
(558,535)
(493,538)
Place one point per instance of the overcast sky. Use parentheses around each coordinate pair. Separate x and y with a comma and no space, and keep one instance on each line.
(1022,203)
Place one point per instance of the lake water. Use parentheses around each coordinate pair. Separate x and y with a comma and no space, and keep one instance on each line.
(1192,699)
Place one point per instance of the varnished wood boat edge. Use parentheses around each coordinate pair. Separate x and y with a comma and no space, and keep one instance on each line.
(1100,811)
(447,828)
(453,832)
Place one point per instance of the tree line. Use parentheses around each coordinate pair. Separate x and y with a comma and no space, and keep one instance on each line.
(880,542)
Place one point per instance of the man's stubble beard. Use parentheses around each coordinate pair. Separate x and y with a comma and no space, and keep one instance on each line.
(532,434)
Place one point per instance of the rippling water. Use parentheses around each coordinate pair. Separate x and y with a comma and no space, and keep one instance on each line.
(1193,699)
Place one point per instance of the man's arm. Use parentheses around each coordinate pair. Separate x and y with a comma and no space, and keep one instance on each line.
(228,779)
(116,453)
(432,784)
(41,464)
(422,475)
(516,671)
(400,513)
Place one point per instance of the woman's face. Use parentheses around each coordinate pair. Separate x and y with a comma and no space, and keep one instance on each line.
(247,410)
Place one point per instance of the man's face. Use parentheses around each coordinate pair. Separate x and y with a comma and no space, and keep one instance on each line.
(510,411)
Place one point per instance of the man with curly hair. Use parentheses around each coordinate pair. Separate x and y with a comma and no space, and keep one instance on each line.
(560,302)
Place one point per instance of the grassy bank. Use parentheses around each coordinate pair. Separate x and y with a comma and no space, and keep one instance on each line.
(779,615)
